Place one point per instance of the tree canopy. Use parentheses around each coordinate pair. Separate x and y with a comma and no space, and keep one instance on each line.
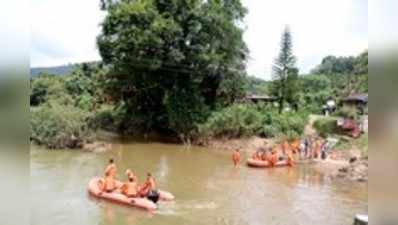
(343,65)
(171,60)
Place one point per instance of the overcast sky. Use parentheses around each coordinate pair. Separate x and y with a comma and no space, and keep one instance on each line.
(64,32)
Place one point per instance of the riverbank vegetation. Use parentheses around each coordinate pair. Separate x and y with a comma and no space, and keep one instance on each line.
(245,120)
(168,68)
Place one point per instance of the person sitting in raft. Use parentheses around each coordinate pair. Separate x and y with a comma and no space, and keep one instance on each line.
(255,155)
(148,189)
(273,159)
(130,188)
(290,160)
(148,186)
(111,168)
(285,147)
(108,184)
(130,174)
(258,155)
(236,157)
(264,156)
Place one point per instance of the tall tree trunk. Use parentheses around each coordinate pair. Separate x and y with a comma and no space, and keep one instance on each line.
(281,105)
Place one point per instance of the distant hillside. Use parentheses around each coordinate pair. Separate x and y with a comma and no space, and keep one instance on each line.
(56,70)
(255,85)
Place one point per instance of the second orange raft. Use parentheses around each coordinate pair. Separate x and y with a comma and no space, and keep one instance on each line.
(265,164)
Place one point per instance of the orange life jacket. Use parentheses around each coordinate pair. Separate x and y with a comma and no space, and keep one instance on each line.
(109,184)
(130,188)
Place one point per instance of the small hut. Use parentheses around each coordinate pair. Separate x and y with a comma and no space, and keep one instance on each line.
(260,98)
(358,101)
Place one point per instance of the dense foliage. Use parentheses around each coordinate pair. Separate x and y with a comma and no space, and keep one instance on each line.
(59,126)
(242,120)
(62,107)
(258,86)
(343,65)
(170,61)
(313,90)
(44,87)
(346,112)
(326,126)
(234,121)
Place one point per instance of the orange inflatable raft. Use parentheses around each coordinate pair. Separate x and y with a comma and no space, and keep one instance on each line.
(143,203)
(264,164)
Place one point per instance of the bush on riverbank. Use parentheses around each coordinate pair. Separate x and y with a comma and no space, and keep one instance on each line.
(104,119)
(243,120)
(346,112)
(234,121)
(45,87)
(288,124)
(326,126)
(59,126)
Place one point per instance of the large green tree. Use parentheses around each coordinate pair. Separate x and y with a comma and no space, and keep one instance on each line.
(285,73)
(170,61)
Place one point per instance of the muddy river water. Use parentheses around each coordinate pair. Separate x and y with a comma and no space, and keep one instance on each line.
(208,189)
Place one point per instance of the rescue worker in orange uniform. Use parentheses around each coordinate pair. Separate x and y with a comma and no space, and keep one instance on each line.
(236,157)
(273,159)
(148,186)
(290,160)
(130,188)
(285,147)
(108,184)
(111,168)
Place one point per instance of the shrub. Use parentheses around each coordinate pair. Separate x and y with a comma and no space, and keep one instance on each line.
(290,124)
(326,126)
(44,87)
(292,135)
(346,112)
(59,126)
(107,118)
(234,121)
(269,131)
(85,102)
(103,119)
(247,120)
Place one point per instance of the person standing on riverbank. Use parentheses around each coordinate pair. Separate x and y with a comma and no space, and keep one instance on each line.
(306,146)
(236,157)
(317,148)
(323,149)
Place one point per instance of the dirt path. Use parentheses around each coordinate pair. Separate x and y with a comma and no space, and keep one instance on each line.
(309,129)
